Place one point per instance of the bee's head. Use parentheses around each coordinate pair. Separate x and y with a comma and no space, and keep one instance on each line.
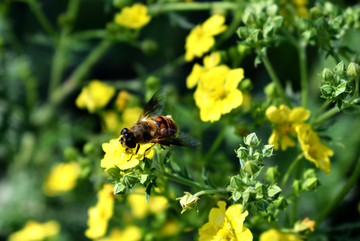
(127,138)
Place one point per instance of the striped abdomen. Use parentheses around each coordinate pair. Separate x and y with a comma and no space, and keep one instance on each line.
(163,126)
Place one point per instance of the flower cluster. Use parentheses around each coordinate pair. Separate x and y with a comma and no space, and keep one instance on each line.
(217,90)
(201,38)
(100,214)
(288,124)
(225,224)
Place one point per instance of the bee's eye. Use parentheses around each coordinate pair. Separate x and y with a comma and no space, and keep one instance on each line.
(124,131)
(130,142)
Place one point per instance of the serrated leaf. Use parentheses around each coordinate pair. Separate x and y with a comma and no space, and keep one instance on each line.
(119,188)
(274,191)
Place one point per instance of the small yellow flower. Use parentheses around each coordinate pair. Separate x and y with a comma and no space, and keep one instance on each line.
(217,92)
(201,38)
(210,61)
(122,157)
(140,208)
(131,233)
(112,122)
(34,231)
(275,235)
(62,178)
(285,120)
(95,96)
(100,214)
(122,100)
(170,228)
(130,116)
(225,224)
(312,147)
(133,17)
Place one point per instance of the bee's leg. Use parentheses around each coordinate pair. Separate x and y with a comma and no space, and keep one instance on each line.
(148,149)
(137,148)
(130,158)
(162,147)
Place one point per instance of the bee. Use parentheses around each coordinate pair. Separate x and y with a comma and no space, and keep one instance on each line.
(151,127)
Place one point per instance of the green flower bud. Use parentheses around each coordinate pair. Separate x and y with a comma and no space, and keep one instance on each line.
(353,70)
(281,203)
(242,32)
(315,13)
(236,195)
(71,153)
(326,90)
(236,182)
(260,190)
(274,191)
(272,10)
(270,90)
(130,180)
(341,88)
(246,85)
(119,188)
(309,173)
(278,21)
(272,174)
(268,150)
(311,184)
(256,35)
(251,168)
(251,140)
(242,152)
(327,75)
(269,31)
(152,82)
(248,17)
(89,148)
(188,202)
(149,46)
(144,178)
(340,68)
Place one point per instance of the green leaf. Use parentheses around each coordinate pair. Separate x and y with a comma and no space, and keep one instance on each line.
(119,188)
(274,191)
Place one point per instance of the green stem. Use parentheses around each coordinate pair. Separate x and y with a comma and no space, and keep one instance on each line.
(275,79)
(215,145)
(211,191)
(303,74)
(340,196)
(295,202)
(193,6)
(90,34)
(326,115)
(182,180)
(290,169)
(44,22)
(356,92)
(81,71)
(321,109)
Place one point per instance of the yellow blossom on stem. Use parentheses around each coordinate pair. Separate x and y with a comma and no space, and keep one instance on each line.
(34,231)
(122,100)
(209,61)
(133,17)
(225,224)
(217,92)
(122,157)
(62,178)
(140,208)
(275,235)
(170,228)
(313,149)
(112,122)
(285,121)
(94,96)
(100,214)
(130,233)
(201,38)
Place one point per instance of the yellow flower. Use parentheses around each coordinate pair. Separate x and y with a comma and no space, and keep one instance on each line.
(275,235)
(100,214)
(34,231)
(312,147)
(95,96)
(133,17)
(112,122)
(225,224)
(201,38)
(285,120)
(130,116)
(217,92)
(289,6)
(210,61)
(122,157)
(62,178)
(122,100)
(131,233)
(140,208)
(170,228)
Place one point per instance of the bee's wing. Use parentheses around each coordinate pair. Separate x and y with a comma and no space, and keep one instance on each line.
(181,139)
(155,105)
